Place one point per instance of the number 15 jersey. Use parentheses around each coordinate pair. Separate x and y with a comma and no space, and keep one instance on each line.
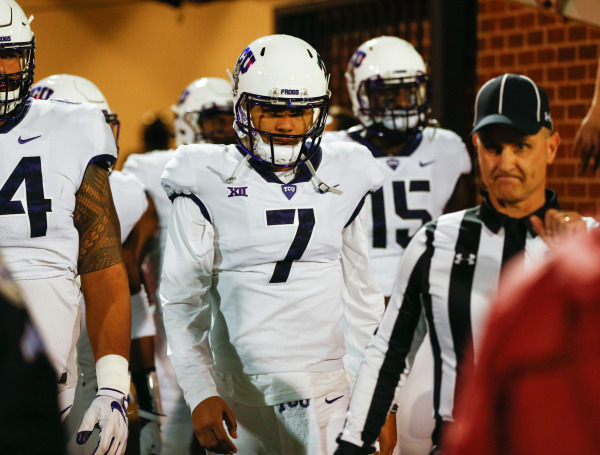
(419,181)
(43,158)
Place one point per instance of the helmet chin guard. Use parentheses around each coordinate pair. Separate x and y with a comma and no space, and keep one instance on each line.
(284,76)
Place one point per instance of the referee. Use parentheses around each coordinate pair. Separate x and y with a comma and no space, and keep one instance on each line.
(451,267)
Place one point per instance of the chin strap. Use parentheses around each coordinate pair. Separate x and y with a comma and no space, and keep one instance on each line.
(320,184)
(236,171)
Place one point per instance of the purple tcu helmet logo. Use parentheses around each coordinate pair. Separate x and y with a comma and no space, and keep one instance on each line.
(285,91)
(245,61)
(357,58)
(41,93)
(4,38)
(183,97)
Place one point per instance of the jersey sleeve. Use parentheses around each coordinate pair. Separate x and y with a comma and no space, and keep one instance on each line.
(186,280)
(130,200)
(386,354)
(178,176)
(362,298)
(105,147)
(361,158)
(134,165)
(458,154)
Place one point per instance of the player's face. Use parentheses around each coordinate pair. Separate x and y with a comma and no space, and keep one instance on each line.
(10,63)
(282,120)
(393,96)
(217,127)
(513,167)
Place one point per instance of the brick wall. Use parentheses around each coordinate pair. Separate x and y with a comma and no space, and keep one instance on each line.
(561,56)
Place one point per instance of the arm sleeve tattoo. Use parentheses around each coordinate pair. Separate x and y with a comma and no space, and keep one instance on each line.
(96,220)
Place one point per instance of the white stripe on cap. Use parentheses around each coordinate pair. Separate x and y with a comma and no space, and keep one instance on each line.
(502,84)
(537,94)
(477,100)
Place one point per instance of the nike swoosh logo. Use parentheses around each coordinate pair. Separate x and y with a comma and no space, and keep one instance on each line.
(426,163)
(331,401)
(65,410)
(25,141)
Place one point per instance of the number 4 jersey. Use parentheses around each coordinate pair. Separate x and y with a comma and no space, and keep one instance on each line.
(43,158)
(272,260)
(419,181)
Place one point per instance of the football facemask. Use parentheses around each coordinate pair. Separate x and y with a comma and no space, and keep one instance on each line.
(14,86)
(394,105)
(215,124)
(282,132)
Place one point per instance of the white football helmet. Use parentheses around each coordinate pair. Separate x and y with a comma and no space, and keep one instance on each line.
(202,99)
(388,86)
(282,74)
(76,89)
(15,37)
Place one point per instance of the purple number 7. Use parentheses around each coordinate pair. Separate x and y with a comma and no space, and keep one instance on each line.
(306,223)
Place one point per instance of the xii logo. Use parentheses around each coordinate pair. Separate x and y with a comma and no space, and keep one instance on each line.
(237,191)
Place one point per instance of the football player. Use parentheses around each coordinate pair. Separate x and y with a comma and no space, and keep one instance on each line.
(57,220)
(388,85)
(264,238)
(203,114)
(131,204)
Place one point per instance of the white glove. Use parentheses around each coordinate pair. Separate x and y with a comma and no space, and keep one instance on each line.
(109,412)
(150,435)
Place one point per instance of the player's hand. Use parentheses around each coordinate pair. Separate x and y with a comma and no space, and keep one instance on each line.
(109,412)
(150,435)
(557,225)
(388,436)
(587,141)
(208,419)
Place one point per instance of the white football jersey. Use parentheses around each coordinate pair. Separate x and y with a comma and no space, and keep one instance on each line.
(43,158)
(418,184)
(148,167)
(273,257)
(130,200)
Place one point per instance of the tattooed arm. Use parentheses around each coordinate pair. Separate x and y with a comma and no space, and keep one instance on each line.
(103,276)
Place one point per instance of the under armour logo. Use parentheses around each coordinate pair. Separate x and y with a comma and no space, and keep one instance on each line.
(547,117)
(237,191)
(393,163)
(458,258)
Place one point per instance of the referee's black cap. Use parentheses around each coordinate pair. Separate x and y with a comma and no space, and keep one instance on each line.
(514,100)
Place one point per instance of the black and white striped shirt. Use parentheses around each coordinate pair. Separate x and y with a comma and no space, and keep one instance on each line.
(448,276)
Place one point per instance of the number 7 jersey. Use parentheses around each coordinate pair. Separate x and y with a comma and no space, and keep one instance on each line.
(43,158)
(273,273)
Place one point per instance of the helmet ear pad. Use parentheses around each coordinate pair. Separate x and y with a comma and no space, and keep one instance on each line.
(388,63)
(284,74)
